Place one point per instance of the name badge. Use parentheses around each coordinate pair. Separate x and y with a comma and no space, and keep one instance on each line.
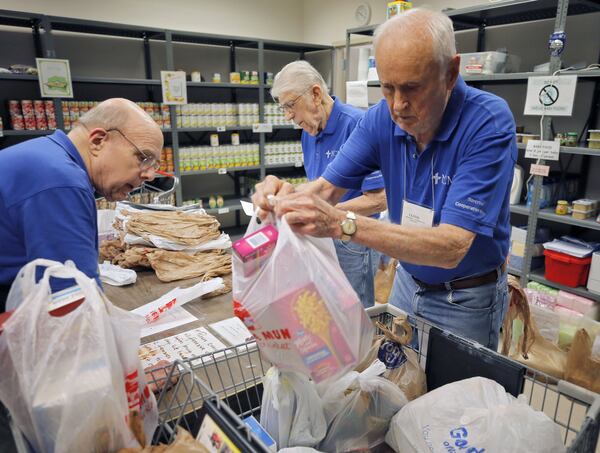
(415,215)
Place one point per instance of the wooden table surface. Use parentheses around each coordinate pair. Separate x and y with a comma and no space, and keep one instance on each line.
(148,288)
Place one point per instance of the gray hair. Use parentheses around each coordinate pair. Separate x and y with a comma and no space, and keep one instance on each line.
(297,77)
(435,24)
(114,113)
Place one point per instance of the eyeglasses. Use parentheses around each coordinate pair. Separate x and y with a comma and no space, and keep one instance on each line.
(147,161)
(289,106)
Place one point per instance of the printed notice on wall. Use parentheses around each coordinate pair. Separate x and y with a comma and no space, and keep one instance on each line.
(174,87)
(550,95)
(542,149)
(54,77)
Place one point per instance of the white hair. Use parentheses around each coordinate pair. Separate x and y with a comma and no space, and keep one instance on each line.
(297,77)
(435,24)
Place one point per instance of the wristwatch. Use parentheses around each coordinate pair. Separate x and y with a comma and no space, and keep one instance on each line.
(348,226)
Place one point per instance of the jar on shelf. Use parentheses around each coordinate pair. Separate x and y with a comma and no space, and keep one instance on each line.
(562,207)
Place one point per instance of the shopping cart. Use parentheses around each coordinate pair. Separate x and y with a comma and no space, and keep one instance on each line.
(227,384)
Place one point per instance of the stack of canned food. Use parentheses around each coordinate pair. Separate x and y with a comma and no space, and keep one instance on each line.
(73,110)
(32,115)
(166,160)
(213,157)
(287,152)
(216,114)
(273,115)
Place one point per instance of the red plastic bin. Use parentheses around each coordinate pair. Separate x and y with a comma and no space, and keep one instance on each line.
(566,269)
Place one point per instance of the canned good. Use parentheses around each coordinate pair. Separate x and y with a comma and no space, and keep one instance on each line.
(1,126)
(234,77)
(571,139)
(235,139)
(41,123)
(30,123)
(51,123)
(38,107)
(14,107)
(245,77)
(254,78)
(196,76)
(269,78)
(562,207)
(67,122)
(214,140)
(185,123)
(27,107)
(216,78)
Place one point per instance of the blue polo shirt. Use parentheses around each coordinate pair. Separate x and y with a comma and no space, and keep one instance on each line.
(470,163)
(47,207)
(320,150)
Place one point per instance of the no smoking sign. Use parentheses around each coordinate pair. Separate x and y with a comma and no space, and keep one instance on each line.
(550,95)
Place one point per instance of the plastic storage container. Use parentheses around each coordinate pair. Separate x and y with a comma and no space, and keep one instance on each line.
(566,269)
(488,63)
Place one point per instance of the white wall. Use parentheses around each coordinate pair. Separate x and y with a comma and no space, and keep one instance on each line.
(269,19)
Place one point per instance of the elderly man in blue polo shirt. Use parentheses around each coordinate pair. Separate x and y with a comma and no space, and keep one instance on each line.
(446,152)
(327,123)
(47,202)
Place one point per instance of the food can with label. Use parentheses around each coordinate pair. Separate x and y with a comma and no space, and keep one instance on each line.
(196,76)
(41,123)
(216,78)
(17,122)
(38,107)
(245,77)
(51,123)
(214,140)
(254,78)
(30,123)
(27,107)
(235,139)
(14,107)
(234,77)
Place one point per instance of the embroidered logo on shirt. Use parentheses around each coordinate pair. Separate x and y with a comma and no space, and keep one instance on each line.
(331,153)
(446,180)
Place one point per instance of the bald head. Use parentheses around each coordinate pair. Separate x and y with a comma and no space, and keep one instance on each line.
(429,30)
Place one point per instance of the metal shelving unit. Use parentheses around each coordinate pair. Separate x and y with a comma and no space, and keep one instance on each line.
(514,12)
(43,26)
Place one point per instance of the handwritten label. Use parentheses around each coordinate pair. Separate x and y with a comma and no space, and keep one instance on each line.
(262,127)
(540,170)
(222,171)
(223,211)
(542,149)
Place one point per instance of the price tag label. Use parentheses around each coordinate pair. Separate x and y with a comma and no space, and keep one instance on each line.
(222,171)
(298,164)
(262,127)
(542,149)
(221,128)
(223,211)
(540,170)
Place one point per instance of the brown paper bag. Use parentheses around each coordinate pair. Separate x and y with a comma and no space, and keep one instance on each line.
(409,376)
(581,368)
(532,348)
(184,443)
(384,280)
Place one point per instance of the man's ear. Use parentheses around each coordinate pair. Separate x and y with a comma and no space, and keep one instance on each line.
(317,94)
(96,139)
(453,71)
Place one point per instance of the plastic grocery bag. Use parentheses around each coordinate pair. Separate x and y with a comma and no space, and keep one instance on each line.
(473,415)
(291,410)
(64,368)
(301,308)
(530,348)
(401,362)
(358,409)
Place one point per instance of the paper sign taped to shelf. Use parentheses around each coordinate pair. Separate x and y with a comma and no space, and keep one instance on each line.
(174,87)
(222,210)
(54,77)
(550,95)
(357,94)
(222,171)
(262,127)
(221,128)
(542,149)
(540,170)
(247,207)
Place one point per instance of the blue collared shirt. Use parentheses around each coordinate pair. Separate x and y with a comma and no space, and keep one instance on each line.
(47,207)
(320,150)
(470,162)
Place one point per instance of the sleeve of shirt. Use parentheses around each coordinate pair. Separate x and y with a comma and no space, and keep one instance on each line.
(373,182)
(481,184)
(60,224)
(357,158)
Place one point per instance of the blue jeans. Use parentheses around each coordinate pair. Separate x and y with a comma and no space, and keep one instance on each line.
(474,313)
(357,262)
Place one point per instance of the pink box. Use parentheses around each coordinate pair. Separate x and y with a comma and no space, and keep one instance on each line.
(574,302)
(255,248)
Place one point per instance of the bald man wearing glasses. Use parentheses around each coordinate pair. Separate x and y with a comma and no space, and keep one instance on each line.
(47,186)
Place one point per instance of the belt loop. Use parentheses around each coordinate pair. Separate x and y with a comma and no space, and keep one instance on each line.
(448,286)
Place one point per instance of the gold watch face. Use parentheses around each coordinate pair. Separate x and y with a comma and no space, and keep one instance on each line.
(348,227)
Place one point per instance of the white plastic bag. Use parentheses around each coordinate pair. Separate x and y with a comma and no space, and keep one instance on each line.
(63,379)
(301,308)
(473,415)
(358,409)
(291,410)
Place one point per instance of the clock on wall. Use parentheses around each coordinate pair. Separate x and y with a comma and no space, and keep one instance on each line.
(363,13)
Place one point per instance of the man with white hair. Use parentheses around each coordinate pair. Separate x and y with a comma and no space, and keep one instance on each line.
(446,152)
(327,123)
(47,201)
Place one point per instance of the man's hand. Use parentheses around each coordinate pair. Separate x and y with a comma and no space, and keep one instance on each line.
(265,190)
(309,214)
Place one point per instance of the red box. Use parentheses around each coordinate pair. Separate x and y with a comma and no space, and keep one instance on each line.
(566,269)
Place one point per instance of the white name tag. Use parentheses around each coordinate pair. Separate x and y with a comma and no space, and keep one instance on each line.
(415,215)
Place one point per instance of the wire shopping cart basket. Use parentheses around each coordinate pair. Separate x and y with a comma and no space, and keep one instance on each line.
(227,384)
